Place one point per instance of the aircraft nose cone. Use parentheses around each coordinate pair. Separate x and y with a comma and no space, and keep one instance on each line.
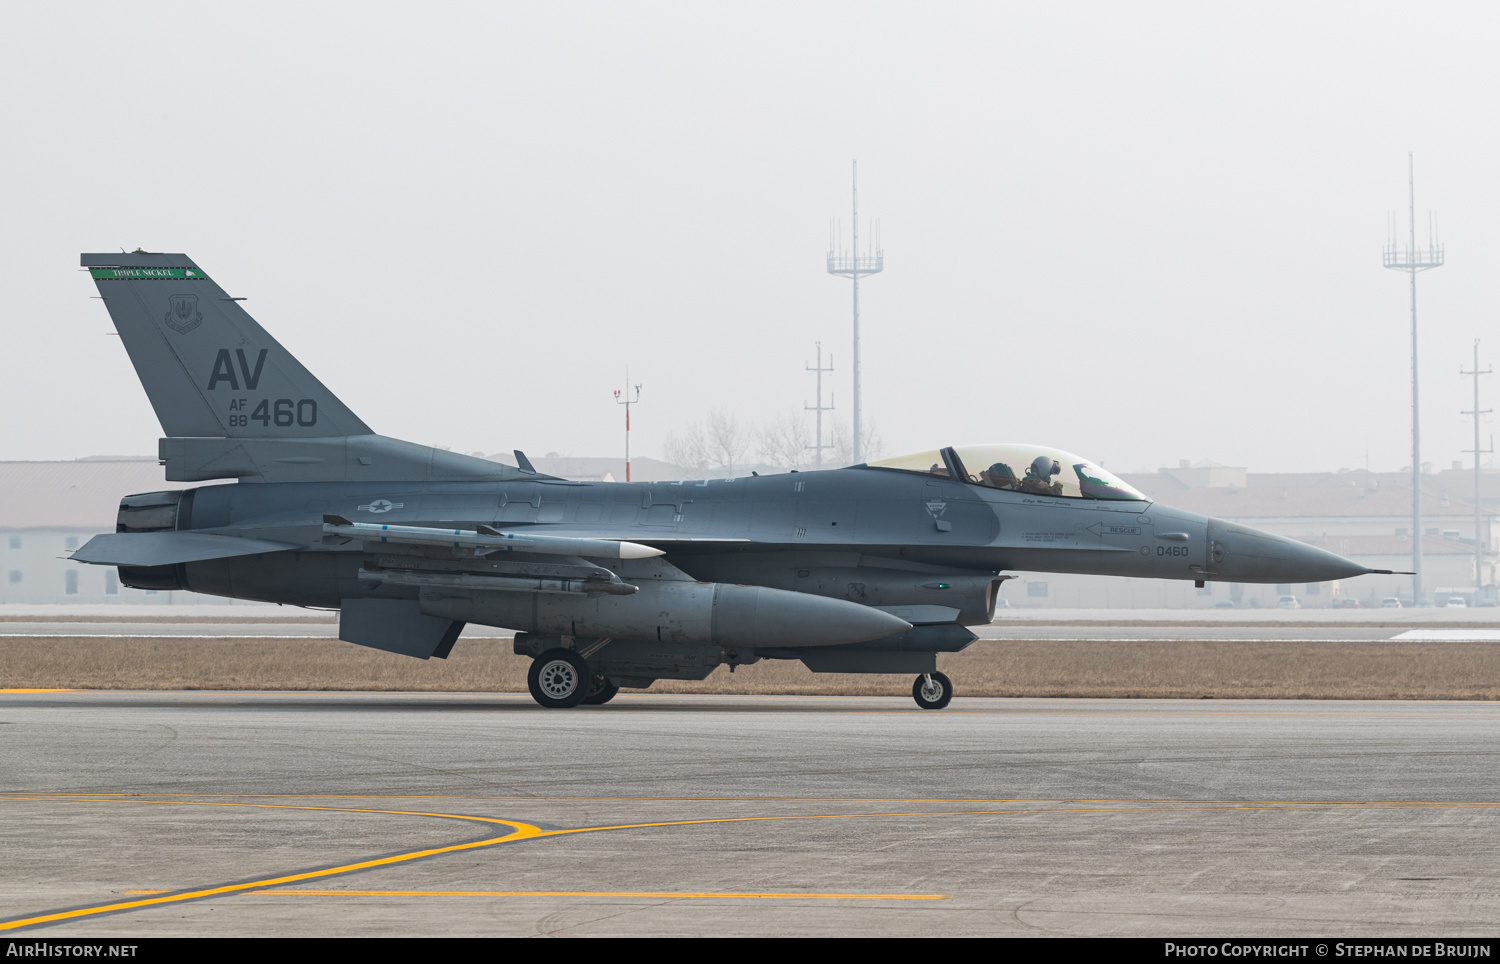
(1249,555)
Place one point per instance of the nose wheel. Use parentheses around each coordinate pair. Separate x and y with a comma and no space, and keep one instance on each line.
(932,691)
(559,678)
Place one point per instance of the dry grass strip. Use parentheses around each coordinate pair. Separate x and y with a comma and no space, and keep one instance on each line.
(1141,669)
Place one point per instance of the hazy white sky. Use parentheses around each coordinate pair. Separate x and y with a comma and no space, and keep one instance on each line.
(1139,232)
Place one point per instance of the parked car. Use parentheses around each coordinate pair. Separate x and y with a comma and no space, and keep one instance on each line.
(1287,602)
(1390,602)
(1347,603)
(1456,602)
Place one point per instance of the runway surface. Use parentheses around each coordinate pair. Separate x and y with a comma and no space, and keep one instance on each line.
(372,814)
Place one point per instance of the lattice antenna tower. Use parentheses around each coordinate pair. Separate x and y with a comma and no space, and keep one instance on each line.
(820,408)
(1477,412)
(854,266)
(1414,260)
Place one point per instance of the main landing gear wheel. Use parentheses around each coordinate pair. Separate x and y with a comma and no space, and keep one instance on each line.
(602,691)
(932,691)
(559,678)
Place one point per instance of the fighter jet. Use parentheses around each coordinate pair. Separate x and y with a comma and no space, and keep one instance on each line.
(873,568)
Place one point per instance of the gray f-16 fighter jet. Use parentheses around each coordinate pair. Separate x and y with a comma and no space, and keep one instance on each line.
(873,568)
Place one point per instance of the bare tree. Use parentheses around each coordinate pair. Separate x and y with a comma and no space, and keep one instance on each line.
(874,444)
(687,450)
(786,443)
(727,441)
(719,442)
(843,442)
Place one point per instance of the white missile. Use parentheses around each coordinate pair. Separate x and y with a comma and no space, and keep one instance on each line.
(487,540)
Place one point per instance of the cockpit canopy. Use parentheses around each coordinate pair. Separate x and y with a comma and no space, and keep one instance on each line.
(1034,469)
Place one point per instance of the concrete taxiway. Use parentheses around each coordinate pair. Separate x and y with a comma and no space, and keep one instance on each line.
(368,814)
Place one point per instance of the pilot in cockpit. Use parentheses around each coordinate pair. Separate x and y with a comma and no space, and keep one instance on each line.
(1039,476)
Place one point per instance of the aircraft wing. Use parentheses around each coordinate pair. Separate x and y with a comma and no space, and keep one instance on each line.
(169,548)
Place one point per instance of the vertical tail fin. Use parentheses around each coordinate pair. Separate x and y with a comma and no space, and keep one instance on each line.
(207,367)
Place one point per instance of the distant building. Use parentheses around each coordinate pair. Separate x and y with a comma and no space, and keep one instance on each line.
(48,509)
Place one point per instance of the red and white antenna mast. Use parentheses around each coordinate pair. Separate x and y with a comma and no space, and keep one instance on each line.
(623,398)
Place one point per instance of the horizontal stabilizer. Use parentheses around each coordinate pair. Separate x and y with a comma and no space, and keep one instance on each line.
(169,548)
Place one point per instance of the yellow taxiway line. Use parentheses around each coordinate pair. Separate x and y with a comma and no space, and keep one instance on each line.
(519,831)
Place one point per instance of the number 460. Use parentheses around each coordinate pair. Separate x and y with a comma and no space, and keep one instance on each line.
(284,412)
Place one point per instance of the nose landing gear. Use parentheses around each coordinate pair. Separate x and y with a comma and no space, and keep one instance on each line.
(932,691)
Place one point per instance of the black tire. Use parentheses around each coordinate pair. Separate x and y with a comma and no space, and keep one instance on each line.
(930,700)
(601,692)
(559,678)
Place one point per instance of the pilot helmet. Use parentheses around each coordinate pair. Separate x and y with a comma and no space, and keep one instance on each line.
(1044,466)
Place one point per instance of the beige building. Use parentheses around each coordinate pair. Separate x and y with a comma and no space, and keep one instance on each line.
(48,509)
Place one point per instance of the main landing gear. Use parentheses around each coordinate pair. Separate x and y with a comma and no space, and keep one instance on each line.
(560,678)
(601,691)
(932,691)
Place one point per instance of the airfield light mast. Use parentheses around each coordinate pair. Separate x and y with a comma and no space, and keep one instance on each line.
(852,266)
(1478,546)
(623,398)
(820,408)
(1412,260)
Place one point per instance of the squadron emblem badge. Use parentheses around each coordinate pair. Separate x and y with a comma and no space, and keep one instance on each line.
(183,314)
